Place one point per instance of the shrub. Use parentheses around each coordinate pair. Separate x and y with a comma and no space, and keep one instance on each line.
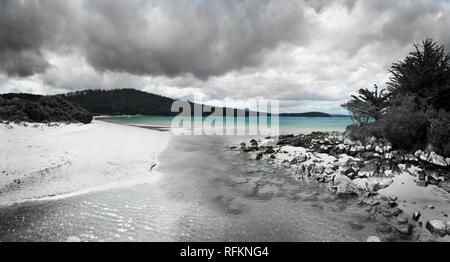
(365,132)
(405,126)
(439,133)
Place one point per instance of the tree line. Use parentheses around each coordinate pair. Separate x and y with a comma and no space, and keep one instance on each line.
(413,111)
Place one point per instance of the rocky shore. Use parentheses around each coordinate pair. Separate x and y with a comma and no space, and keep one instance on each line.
(355,171)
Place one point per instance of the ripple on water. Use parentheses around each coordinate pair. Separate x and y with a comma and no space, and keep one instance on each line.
(205,193)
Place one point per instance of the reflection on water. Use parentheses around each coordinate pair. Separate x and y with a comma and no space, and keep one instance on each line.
(206,193)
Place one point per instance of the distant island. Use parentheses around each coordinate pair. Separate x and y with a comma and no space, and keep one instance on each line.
(135,102)
(308,114)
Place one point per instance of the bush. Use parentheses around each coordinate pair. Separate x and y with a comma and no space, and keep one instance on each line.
(405,126)
(439,133)
(44,109)
(365,132)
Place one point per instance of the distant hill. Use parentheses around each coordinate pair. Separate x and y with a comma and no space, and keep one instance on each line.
(308,114)
(122,102)
(41,109)
(135,102)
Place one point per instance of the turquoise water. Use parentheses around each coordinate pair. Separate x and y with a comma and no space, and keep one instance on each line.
(286,124)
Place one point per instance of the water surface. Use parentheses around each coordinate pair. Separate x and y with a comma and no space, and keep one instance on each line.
(204,192)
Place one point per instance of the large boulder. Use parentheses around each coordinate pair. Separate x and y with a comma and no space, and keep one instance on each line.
(436,159)
(436,227)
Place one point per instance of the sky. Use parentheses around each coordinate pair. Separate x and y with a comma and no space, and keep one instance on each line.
(310,55)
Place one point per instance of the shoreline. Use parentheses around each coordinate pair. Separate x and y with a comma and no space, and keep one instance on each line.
(385,183)
(63,160)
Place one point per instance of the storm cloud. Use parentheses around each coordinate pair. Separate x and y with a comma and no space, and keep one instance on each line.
(309,54)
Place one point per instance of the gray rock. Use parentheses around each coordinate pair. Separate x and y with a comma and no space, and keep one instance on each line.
(328,170)
(347,190)
(405,229)
(401,220)
(385,182)
(341,179)
(436,227)
(436,159)
(416,216)
(373,239)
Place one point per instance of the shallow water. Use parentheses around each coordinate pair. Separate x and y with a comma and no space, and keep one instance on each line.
(204,192)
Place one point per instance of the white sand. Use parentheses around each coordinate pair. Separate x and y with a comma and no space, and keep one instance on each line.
(44,161)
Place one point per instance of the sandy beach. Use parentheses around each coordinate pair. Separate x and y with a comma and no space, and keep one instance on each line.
(41,161)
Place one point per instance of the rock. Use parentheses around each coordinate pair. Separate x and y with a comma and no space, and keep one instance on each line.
(432,180)
(416,216)
(361,183)
(319,169)
(402,220)
(393,198)
(242,144)
(152,165)
(447,226)
(355,167)
(269,151)
(347,190)
(373,186)
(448,161)
(421,183)
(436,227)
(350,173)
(392,204)
(379,150)
(341,179)
(436,159)
(373,239)
(257,156)
(328,170)
(430,206)
(405,229)
(385,182)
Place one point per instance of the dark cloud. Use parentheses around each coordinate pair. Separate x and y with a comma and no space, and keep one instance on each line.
(292,50)
(203,38)
(25,27)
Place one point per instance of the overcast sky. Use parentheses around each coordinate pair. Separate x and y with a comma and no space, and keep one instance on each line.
(310,55)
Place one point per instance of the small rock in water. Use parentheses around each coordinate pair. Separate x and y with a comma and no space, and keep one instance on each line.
(347,190)
(373,239)
(73,239)
(436,227)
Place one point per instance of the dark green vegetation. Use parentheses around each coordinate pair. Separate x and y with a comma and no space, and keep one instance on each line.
(41,109)
(122,102)
(414,111)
